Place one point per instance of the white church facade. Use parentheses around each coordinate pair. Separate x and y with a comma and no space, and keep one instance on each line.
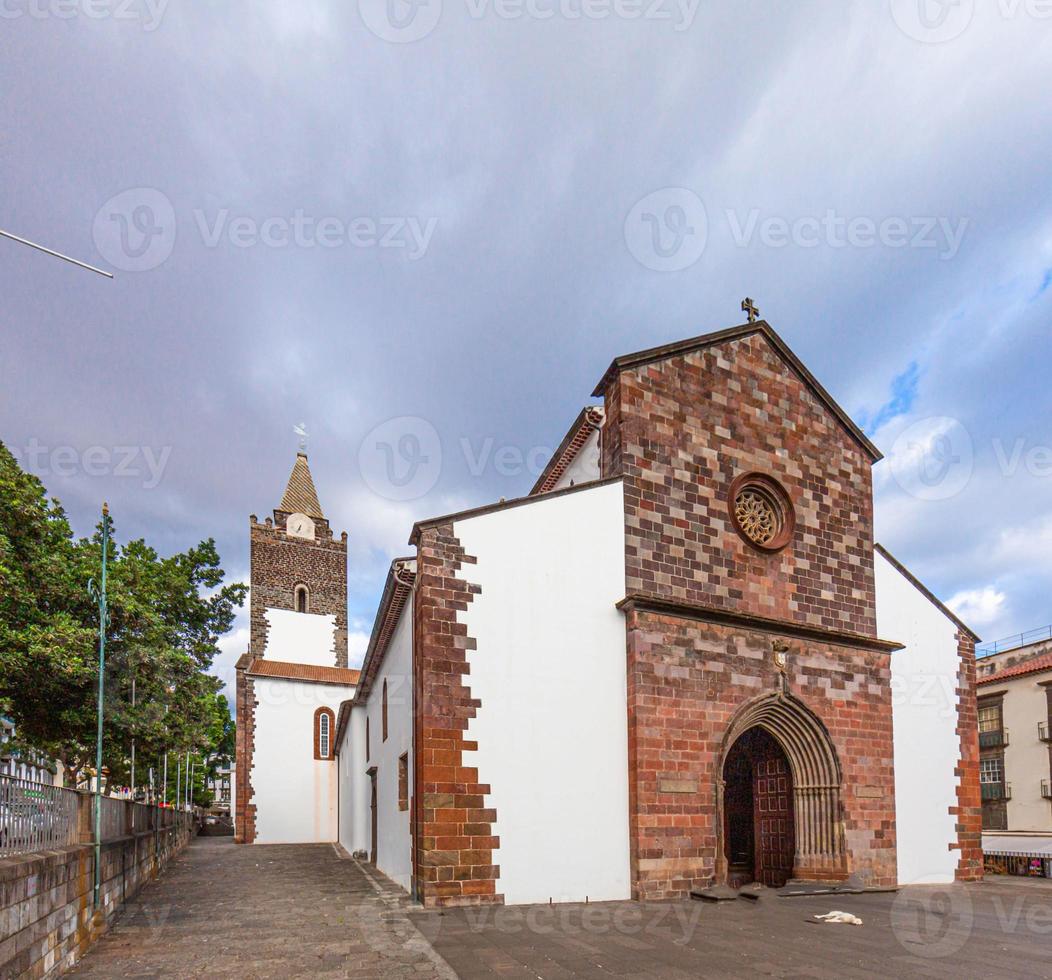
(680,661)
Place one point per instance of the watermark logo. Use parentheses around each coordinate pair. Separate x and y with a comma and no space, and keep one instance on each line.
(147,12)
(400,21)
(135,230)
(932,21)
(932,921)
(933,458)
(301,230)
(147,464)
(941,234)
(401,459)
(667,230)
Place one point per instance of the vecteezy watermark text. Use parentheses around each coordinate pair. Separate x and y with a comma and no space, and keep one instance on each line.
(839,231)
(145,463)
(301,230)
(148,12)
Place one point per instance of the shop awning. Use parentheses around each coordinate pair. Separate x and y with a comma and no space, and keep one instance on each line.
(1022,845)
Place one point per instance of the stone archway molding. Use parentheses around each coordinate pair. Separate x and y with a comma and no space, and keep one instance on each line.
(817,808)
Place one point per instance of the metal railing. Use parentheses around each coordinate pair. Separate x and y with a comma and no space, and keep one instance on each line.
(36,817)
(1015,640)
(995,791)
(993,740)
(39,817)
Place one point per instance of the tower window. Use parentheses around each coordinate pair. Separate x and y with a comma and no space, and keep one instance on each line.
(301,601)
(383,710)
(324,722)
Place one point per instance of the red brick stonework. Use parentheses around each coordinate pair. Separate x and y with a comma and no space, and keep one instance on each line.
(681,429)
(454,858)
(688,680)
(278,563)
(245,741)
(722,632)
(969,809)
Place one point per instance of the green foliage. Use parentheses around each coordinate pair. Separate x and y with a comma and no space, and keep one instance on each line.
(166,616)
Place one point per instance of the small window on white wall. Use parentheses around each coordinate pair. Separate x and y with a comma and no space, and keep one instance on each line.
(324,721)
(302,599)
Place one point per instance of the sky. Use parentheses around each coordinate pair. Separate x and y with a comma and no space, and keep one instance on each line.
(423,228)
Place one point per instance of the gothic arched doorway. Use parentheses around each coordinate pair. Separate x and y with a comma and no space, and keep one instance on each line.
(759,838)
(779,730)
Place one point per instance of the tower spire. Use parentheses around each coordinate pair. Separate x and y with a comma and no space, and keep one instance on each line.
(300,497)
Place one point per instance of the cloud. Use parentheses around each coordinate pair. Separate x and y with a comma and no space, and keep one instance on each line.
(529,143)
(978,607)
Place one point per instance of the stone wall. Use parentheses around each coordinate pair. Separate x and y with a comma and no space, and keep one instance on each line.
(456,857)
(278,563)
(688,682)
(47,922)
(680,430)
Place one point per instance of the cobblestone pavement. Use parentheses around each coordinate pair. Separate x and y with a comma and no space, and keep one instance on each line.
(1000,928)
(221,910)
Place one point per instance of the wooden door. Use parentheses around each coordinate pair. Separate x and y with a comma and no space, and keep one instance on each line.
(773,818)
(372,811)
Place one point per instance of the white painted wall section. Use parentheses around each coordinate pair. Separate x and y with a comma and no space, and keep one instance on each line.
(295,794)
(393,838)
(925,706)
(549,669)
(300,638)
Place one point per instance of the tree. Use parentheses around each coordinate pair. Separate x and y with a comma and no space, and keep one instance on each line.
(167,615)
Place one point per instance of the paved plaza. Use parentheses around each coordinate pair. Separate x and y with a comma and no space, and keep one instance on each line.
(221,910)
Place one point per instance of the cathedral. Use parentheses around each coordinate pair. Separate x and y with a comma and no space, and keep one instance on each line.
(680,661)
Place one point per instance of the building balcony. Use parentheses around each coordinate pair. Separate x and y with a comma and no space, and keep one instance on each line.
(995,792)
(993,740)
(1042,731)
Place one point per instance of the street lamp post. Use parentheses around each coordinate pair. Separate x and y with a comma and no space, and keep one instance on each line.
(98,593)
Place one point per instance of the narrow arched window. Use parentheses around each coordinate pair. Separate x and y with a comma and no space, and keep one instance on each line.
(324,722)
(302,599)
(366,739)
(383,711)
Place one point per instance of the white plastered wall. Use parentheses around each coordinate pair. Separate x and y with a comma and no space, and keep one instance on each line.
(300,638)
(925,707)
(549,669)
(294,793)
(394,841)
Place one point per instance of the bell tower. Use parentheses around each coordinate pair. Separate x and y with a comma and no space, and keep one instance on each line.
(297,565)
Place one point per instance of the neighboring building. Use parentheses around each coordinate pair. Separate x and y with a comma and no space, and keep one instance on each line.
(294,677)
(1015,739)
(221,786)
(33,766)
(680,661)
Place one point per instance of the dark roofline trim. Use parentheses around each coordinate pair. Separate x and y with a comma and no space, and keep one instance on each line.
(464,515)
(710,614)
(736,333)
(388,614)
(926,592)
(572,444)
(342,717)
